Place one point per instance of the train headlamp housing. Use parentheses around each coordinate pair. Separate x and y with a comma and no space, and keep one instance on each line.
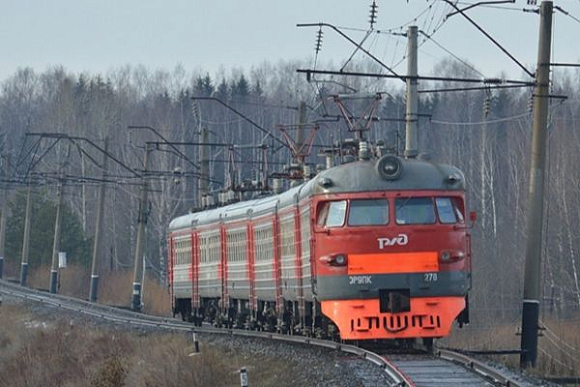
(453,179)
(335,260)
(340,260)
(389,167)
(451,256)
(325,182)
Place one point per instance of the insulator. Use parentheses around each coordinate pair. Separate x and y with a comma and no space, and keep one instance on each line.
(373,17)
(531,103)
(277,185)
(195,110)
(363,150)
(486,106)
(318,45)
(329,160)
(306,171)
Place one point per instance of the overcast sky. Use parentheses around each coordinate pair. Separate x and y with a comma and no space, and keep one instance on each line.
(95,36)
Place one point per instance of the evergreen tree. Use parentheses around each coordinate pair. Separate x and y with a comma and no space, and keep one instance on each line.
(241,88)
(43,214)
(203,86)
(222,92)
(257,90)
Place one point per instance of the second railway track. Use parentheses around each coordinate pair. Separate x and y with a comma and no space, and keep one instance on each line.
(444,368)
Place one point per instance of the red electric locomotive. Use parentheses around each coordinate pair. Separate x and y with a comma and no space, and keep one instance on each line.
(372,249)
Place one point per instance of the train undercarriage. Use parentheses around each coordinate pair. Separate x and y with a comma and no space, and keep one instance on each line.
(238,315)
(311,322)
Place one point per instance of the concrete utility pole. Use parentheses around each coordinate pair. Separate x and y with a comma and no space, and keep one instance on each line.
(56,242)
(204,166)
(531,301)
(93,291)
(26,237)
(4,215)
(301,133)
(142,221)
(412,113)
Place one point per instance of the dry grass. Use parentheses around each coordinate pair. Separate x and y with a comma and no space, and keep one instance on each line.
(73,281)
(57,353)
(115,288)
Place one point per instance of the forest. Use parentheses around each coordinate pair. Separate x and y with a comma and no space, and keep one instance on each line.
(486,133)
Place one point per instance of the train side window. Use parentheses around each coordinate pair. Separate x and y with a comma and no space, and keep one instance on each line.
(322,214)
(446,210)
(414,211)
(332,214)
(367,212)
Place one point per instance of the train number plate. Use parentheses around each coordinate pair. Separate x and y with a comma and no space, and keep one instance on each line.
(359,279)
(430,277)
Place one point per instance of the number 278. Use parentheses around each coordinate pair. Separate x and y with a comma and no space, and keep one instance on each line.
(430,277)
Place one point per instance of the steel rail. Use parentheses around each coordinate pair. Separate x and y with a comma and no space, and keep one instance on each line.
(478,367)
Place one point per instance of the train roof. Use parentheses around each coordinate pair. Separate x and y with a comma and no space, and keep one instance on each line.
(413,174)
(249,208)
(357,176)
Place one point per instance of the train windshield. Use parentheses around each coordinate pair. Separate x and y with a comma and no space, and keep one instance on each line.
(368,212)
(448,210)
(414,211)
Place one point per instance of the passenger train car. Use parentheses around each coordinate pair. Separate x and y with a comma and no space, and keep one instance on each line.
(372,249)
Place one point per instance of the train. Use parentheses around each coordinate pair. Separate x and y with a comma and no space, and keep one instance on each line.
(376,248)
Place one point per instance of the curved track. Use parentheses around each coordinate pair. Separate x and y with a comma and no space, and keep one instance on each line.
(445,369)
(427,370)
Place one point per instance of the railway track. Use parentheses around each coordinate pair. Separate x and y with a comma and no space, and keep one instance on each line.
(443,368)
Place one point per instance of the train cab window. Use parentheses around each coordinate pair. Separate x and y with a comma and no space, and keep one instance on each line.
(414,211)
(367,212)
(445,210)
(332,214)
(448,210)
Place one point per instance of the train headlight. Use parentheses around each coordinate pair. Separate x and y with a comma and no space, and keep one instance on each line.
(340,260)
(335,260)
(325,182)
(389,167)
(451,256)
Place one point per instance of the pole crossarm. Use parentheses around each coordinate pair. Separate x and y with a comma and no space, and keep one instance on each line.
(62,136)
(565,64)
(166,141)
(191,143)
(487,81)
(452,89)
